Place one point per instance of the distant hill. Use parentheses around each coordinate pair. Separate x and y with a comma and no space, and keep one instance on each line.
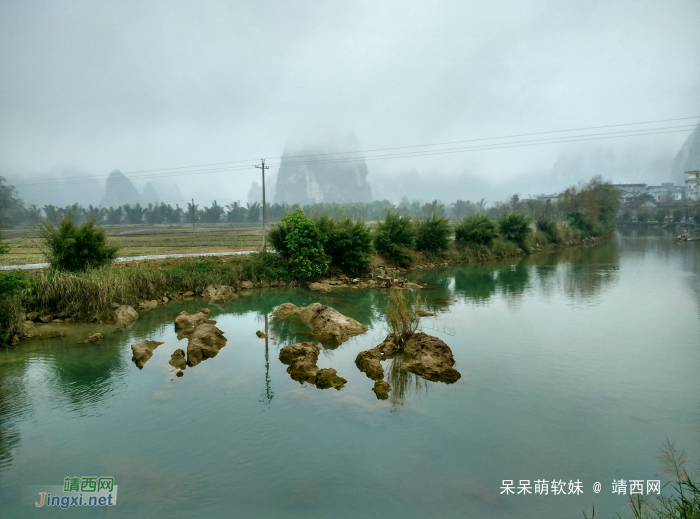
(305,180)
(688,158)
(119,191)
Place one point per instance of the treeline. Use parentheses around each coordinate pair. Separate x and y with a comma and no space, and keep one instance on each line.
(309,246)
(13,212)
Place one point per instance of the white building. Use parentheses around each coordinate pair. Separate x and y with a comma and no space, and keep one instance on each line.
(666,192)
(692,185)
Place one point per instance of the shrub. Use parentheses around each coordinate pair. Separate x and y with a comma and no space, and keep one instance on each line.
(477,229)
(348,243)
(548,228)
(76,248)
(514,227)
(394,237)
(307,258)
(433,234)
(536,239)
(277,236)
(577,220)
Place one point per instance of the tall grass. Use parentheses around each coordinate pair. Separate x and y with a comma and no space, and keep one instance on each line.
(402,316)
(11,317)
(92,293)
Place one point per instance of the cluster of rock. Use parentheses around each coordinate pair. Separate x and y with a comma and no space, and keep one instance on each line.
(204,342)
(379,278)
(424,355)
(325,322)
(301,358)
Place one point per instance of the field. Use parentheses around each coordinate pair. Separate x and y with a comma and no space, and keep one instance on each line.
(142,240)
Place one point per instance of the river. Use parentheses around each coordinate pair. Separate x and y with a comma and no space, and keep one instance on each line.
(576,366)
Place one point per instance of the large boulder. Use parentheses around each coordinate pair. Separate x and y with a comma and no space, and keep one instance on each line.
(325,322)
(143,351)
(186,323)
(218,294)
(301,358)
(430,358)
(125,314)
(204,343)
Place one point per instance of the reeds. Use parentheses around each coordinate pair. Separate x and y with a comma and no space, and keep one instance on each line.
(402,317)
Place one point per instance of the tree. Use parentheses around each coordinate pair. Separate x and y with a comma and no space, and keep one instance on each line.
(514,227)
(214,213)
(304,245)
(254,211)
(433,234)
(477,229)
(394,237)
(76,248)
(348,243)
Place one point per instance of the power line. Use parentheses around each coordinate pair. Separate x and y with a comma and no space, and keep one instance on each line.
(171,172)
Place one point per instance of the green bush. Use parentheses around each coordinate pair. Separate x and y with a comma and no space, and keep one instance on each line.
(348,243)
(578,220)
(304,244)
(548,228)
(11,310)
(515,227)
(277,236)
(477,229)
(394,237)
(76,248)
(433,234)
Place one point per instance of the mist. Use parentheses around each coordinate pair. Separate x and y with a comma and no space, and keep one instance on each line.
(88,88)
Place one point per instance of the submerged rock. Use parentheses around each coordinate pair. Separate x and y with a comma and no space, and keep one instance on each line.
(95,337)
(301,358)
(204,343)
(218,294)
(325,322)
(143,351)
(125,314)
(148,305)
(381,389)
(187,323)
(261,335)
(177,359)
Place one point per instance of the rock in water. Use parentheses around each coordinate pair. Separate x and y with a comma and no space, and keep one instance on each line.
(218,294)
(124,315)
(301,358)
(143,351)
(424,355)
(261,335)
(187,323)
(95,337)
(177,359)
(303,183)
(369,361)
(430,358)
(381,389)
(325,322)
(204,343)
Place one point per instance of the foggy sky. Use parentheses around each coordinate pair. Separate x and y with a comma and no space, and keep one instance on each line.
(95,86)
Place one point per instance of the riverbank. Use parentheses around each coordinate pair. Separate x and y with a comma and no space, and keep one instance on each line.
(62,297)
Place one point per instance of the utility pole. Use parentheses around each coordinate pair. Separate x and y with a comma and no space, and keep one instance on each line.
(193,231)
(264,214)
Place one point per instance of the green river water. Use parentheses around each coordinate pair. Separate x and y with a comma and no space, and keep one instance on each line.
(576,365)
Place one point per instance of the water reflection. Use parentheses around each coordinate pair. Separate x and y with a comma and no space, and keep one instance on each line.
(580,272)
(13,405)
(403,382)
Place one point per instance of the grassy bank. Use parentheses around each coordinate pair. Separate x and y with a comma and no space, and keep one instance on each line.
(88,295)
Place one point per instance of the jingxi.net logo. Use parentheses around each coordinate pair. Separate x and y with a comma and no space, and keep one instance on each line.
(76,491)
